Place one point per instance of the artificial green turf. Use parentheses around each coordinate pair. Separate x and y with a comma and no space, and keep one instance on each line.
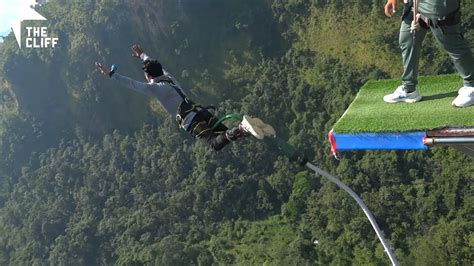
(369,113)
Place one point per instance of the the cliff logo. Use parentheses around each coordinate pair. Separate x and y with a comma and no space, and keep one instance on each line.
(37,37)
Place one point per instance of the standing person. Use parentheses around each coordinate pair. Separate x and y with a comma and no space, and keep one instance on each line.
(193,118)
(443,19)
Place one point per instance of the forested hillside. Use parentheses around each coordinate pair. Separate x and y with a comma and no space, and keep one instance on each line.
(92,173)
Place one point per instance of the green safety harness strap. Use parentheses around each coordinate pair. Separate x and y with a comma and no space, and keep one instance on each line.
(226,117)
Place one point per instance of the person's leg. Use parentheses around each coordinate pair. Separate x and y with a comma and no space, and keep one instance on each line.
(220,127)
(216,140)
(451,39)
(201,129)
(411,49)
(222,135)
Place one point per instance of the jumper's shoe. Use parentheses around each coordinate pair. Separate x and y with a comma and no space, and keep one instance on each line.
(401,95)
(465,97)
(266,128)
(252,126)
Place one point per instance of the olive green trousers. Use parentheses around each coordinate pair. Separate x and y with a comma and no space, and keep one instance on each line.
(450,39)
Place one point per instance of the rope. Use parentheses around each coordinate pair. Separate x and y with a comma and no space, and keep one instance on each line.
(415,19)
(299,158)
(362,205)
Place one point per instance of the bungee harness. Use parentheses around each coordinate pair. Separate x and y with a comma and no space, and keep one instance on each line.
(187,107)
(450,19)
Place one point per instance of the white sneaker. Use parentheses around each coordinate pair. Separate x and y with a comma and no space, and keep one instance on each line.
(251,125)
(465,97)
(401,95)
(266,128)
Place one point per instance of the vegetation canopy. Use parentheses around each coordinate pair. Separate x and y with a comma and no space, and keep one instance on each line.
(92,173)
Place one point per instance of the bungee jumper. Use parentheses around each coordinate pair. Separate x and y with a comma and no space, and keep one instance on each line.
(194,118)
(202,124)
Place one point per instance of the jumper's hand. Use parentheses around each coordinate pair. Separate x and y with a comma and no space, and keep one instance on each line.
(390,7)
(137,50)
(102,69)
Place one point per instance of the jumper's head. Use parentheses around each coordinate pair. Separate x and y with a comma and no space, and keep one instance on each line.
(152,69)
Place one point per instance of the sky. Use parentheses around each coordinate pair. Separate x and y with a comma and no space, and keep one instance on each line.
(14,11)
(10,10)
